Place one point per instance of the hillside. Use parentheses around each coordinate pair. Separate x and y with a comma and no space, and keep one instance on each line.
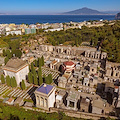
(117,16)
(84,11)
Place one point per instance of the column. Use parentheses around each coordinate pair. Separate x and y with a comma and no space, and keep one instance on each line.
(68,102)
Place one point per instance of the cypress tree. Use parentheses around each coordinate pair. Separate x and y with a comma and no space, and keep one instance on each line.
(40,71)
(2,79)
(35,79)
(14,82)
(11,82)
(30,77)
(42,60)
(40,80)
(36,63)
(32,67)
(23,85)
(50,78)
(8,80)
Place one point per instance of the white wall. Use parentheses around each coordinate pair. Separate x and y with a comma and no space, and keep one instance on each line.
(20,75)
(51,100)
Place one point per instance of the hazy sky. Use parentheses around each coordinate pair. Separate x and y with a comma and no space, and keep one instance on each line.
(55,6)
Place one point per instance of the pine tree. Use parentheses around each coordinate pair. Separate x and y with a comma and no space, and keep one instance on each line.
(8,80)
(23,85)
(2,79)
(42,60)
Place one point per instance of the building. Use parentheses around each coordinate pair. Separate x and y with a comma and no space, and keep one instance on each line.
(68,66)
(45,96)
(15,32)
(72,100)
(30,31)
(17,68)
(62,81)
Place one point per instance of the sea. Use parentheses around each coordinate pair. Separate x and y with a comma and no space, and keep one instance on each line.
(33,19)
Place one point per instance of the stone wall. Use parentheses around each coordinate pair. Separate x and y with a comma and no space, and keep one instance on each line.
(78,114)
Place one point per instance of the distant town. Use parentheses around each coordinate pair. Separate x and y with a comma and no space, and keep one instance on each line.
(77,80)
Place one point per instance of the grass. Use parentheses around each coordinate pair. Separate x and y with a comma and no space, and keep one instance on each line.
(18,113)
(28,100)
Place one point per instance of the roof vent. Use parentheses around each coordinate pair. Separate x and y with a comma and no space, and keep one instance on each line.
(45,85)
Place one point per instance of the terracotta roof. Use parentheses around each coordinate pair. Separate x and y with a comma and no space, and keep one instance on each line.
(69,63)
(10,100)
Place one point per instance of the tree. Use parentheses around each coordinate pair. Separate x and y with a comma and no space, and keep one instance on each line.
(2,79)
(40,71)
(40,80)
(14,82)
(39,62)
(4,52)
(35,79)
(8,80)
(50,78)
(36,63)
(30,77)
(8,54)
(42,60)
(6,60)
(11,82)
(23,85)
(17,53)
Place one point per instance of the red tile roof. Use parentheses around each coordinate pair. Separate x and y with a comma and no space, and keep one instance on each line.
(68,63)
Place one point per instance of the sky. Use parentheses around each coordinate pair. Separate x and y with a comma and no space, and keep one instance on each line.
(55,6)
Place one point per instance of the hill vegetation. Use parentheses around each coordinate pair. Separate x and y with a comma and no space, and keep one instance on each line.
(107,37)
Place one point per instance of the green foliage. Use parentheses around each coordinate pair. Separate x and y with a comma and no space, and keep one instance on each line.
(48,79)
(2,79)
(17,113)
(40,76)
(4,52)
(39,62)
(8,80)
(35,79)
(40,80)
(36,63)
(15,44)
(17,53)
(42,60)
(23,85)
(30,77)
(13,82)
(107,37)
(6,60)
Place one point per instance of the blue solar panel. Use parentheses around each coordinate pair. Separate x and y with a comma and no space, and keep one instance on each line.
(44,89)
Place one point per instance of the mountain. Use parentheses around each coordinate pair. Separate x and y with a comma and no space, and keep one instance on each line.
(118,16)
(84,11)
(111,12)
